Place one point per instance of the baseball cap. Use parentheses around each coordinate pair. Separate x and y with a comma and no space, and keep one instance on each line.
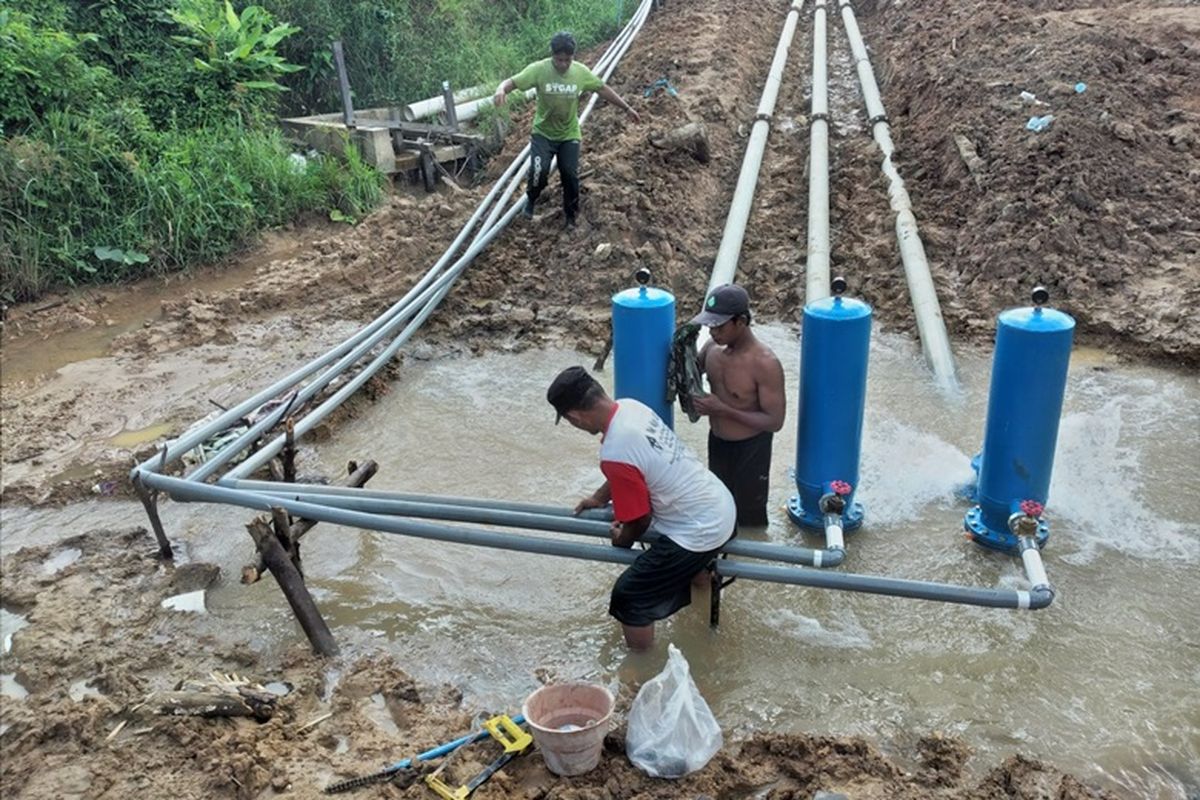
(567,390)
(723,304)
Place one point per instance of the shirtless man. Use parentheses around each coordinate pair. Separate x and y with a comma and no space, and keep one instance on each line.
(747,404)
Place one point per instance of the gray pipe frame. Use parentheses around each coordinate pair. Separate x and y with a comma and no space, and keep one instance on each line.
(562,521)
(184,490)
(935,343)
(817,265)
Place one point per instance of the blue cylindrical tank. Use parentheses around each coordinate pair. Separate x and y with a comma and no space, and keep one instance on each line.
(834,347)
(1029,377)
(643,324)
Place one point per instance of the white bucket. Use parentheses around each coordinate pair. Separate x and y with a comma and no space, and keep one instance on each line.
(569,721)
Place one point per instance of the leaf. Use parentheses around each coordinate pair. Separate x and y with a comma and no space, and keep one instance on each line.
(270,85)
(231,17)
(134,257)
(109,254)
(336,215)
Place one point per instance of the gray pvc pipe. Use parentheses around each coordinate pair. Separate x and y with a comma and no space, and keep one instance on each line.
(817,264)
(935,343)
(892,587)
(185,490)
(725,266)
(564,522)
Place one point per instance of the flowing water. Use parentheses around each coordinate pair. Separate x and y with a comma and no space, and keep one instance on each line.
(1103,683)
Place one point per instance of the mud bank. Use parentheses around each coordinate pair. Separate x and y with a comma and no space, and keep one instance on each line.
(100,646)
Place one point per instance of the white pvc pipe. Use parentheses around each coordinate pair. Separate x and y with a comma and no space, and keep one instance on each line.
(817,269)
(436,105)
(1034,570)
(725,266)
(834,539)
(932,328)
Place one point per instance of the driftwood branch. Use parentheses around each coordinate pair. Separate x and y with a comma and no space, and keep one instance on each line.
(359,475)
(244,702)
(279,562)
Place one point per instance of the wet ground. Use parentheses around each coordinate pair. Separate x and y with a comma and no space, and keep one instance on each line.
(1101,209)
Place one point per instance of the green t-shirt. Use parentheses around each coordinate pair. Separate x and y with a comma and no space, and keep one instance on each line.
(557,116)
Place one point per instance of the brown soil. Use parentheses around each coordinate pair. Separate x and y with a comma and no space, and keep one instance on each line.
(99,620)
(1100,207)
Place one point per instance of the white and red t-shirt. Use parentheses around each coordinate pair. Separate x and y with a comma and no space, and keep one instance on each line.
(650,471)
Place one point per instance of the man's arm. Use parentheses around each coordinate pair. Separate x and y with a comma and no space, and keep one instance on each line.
(624,534)
(502,91)
(597,499)
(608,94)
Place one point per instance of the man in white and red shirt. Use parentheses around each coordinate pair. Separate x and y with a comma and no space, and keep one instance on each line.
(652,478)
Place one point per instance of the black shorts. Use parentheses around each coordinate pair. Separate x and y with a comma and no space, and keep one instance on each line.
(745,467)
(657,584)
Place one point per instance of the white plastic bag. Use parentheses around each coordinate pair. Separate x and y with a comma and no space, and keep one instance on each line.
(671,730)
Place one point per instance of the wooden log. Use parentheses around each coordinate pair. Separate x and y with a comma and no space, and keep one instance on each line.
(292,585)
(343,86)
(245,702)
(289,450)
(149,498)
(359,475)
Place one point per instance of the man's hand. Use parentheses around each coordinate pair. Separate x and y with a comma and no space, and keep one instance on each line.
(616,534)
(500,95)
(709,405)
(588,502)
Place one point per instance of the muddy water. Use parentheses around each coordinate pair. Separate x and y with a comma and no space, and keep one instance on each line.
(1101,684)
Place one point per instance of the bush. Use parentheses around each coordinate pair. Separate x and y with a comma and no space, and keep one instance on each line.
(399,51)
(42,70)
(79,206)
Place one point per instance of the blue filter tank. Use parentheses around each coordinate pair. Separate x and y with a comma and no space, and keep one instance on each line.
(834,347)
(1029,377)
(643,323)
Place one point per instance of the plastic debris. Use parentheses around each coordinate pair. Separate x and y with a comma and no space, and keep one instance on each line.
(1080,87)
(1039,124)
(1030,97)
(661,83)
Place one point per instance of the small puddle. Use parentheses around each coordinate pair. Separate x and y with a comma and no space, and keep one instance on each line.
(81,690)
(10,623)
(131,439)
(61,560)
(188,601)
(377,710)
(10,688)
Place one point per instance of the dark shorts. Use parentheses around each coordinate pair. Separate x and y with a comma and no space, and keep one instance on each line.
(657,584)
(745,467)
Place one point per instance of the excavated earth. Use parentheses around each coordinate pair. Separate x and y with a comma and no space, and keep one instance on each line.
(1100,207)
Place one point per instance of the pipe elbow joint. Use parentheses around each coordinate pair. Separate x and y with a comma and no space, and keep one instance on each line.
(833,556)
(1041,596)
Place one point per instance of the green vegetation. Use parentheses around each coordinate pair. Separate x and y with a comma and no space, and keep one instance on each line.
(139,136)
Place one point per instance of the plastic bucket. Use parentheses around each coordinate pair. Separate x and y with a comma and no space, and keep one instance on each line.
(569,721)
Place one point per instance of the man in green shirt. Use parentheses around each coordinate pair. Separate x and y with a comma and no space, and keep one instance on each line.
(559,81)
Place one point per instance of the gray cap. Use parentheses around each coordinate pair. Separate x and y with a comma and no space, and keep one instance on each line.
(723,304)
